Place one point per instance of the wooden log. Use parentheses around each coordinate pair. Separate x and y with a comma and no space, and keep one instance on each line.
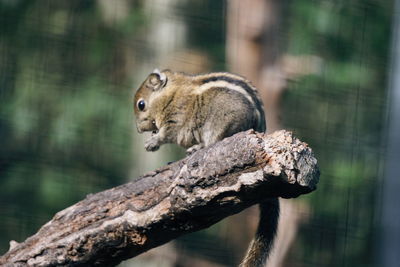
(188,195)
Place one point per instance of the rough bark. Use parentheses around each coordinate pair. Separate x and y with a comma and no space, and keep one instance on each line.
(185,196)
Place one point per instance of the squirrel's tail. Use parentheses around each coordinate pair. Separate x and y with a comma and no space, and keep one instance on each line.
(261,245)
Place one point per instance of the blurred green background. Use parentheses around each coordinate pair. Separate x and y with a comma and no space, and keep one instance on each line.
(68,70)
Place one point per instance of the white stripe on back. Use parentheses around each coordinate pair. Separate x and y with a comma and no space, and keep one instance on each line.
(224,84)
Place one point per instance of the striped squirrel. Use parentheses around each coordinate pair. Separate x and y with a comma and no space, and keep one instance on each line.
(195,111)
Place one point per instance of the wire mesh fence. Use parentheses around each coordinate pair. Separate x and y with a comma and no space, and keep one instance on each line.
(68,71)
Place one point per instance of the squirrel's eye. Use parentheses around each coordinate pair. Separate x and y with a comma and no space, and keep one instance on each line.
(141,105)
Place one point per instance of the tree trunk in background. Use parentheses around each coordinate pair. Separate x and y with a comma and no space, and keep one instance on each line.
(153,52)
(164,41)
(389,245)
(254,49)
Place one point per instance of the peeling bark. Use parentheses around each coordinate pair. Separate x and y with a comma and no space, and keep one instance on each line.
(185,196)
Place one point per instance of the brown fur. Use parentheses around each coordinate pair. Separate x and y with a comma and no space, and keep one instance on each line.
(179,112)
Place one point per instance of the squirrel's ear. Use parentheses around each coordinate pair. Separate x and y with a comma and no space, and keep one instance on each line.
(157,79)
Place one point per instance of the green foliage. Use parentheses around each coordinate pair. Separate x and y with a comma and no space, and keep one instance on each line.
(340,111)
(65,115)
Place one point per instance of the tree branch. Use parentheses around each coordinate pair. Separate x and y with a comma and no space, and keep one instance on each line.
(185,196)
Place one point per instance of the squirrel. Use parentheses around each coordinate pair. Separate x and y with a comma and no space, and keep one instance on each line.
(195,111)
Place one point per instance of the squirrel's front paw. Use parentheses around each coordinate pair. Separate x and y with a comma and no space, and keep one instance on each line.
(152,144)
